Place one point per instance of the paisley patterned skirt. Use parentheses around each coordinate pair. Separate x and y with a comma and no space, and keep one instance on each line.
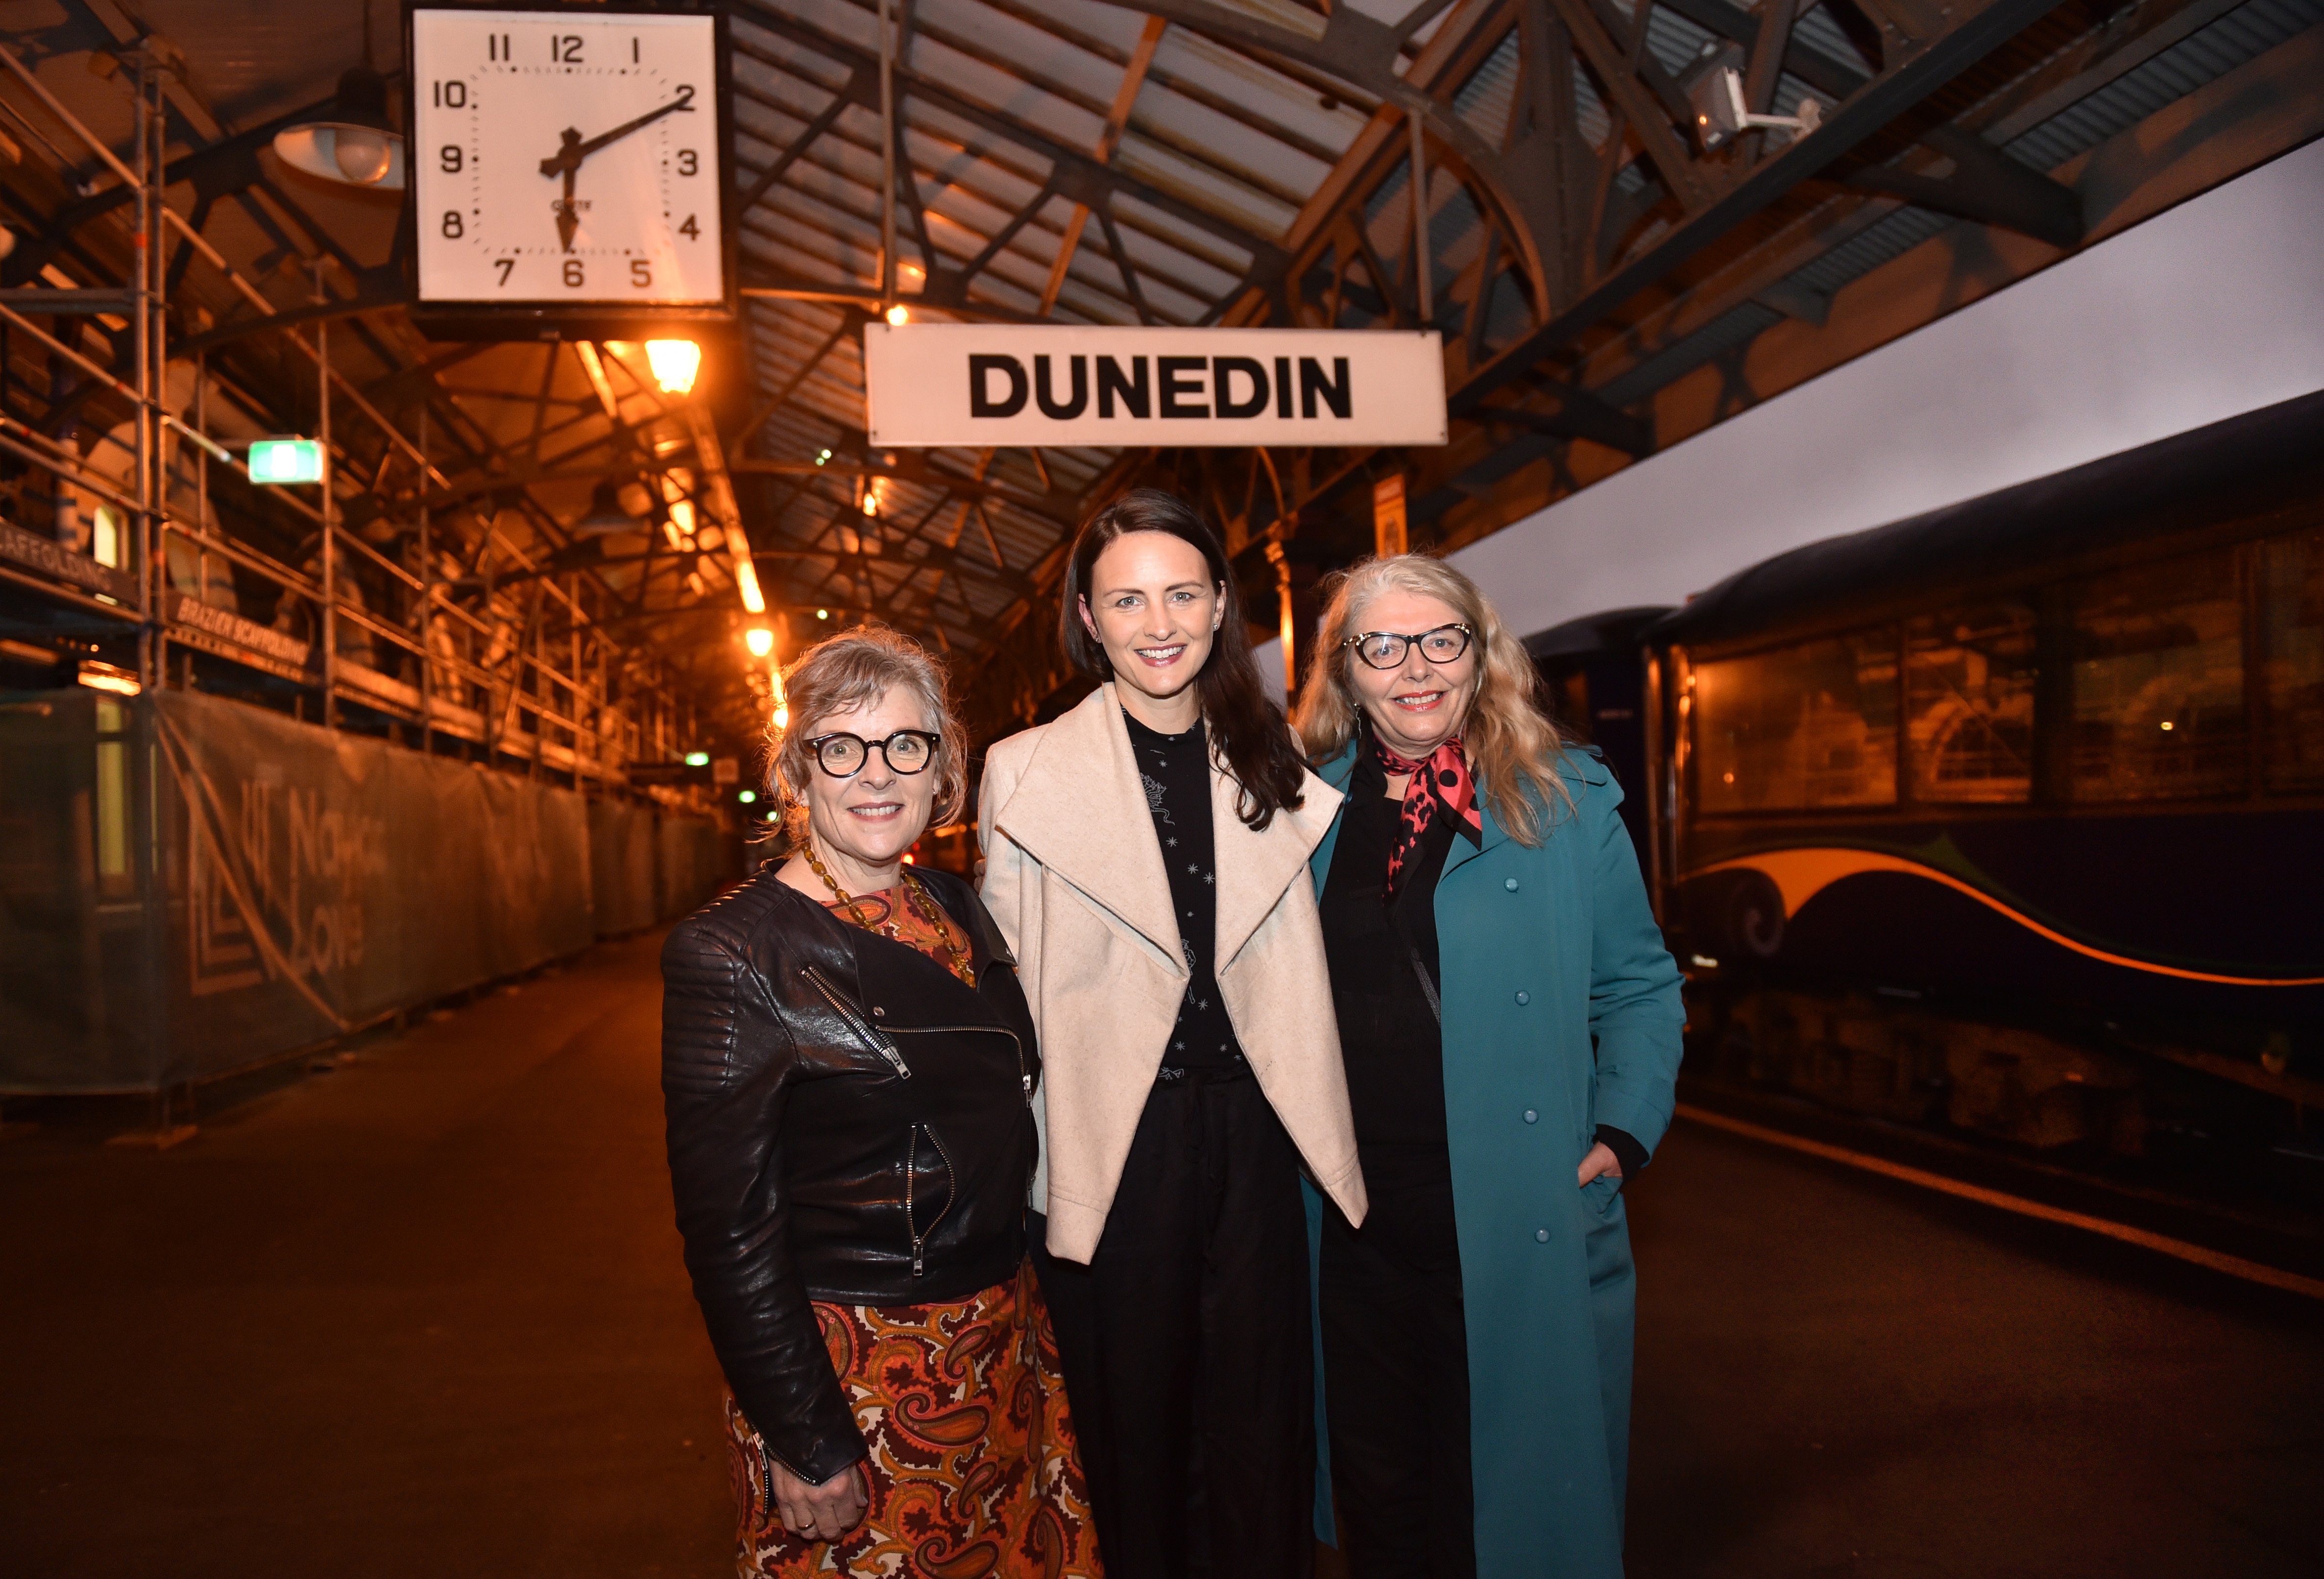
(974,1473)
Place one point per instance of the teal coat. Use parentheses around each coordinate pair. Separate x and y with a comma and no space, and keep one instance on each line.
(1561,1012)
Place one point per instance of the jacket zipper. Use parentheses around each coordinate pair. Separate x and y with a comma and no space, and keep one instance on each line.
(861,1027)
(911,1173)
(1024,1071)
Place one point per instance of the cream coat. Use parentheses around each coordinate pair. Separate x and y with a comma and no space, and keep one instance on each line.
(1073,875)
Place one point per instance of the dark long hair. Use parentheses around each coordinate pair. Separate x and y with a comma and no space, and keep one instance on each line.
(1247,728)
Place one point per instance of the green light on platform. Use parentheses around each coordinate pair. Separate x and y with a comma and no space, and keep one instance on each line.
(697,759)
(286,460)
(747,796)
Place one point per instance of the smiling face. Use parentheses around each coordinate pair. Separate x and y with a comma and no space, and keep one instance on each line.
(1153,607)
(863,825)
(1416,706)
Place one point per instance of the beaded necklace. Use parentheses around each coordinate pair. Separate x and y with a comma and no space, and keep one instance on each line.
(916,893)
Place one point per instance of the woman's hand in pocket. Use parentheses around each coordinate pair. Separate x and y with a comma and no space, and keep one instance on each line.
(1601,1161)
(820,1512)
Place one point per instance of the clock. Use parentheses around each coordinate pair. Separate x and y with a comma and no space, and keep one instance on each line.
(568,168)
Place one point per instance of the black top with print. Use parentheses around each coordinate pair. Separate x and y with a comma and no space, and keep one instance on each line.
(1175,770)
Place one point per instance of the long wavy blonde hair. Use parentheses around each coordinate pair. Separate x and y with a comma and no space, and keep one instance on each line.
(1512,747)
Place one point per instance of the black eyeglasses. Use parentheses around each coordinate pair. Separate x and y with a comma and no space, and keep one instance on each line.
(842,756)
(1384,650)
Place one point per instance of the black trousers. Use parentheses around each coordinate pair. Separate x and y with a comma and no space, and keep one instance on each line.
(1186,1344)
(1396,1383)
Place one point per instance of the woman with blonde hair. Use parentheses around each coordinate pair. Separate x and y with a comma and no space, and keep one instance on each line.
(1509,1022)
(849,1071)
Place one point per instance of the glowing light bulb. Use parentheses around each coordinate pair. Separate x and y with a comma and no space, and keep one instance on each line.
(871,503)
(674,362)
(899,315)
(823,613)
(782,721)
(760,640)
(362,154)
(747,796)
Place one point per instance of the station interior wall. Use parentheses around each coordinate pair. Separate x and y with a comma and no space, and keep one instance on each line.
(2208,310)
(189,886)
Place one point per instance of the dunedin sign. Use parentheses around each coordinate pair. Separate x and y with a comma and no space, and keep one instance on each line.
(977,384)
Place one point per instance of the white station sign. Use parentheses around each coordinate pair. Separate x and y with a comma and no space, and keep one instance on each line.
(977,384)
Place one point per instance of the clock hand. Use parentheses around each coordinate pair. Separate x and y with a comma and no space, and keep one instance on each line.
(575,151)
(571,151)
(569,161)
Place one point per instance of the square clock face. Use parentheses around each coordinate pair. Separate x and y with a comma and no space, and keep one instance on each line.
(567,157)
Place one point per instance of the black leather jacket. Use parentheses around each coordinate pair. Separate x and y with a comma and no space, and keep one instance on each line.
(848,1121)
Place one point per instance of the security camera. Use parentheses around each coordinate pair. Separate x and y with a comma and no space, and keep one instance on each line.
(1720,112)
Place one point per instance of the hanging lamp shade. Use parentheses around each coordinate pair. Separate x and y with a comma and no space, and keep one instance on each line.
(606,512)
(355,146)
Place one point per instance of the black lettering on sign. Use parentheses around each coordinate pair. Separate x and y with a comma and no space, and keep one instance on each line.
(1133,391)
(1283,386)
(1335,393)
(1049,402)
(980,371)
(1224,371)
(1174,384)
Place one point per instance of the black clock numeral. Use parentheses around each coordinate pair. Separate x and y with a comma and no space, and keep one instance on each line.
(499,47)
(451,95)
(690,230)
(565,48)
(452,228)
(634,51)
(687,164)
(641,272)
(448,156)
(573,272)
(685,91)
(507,266)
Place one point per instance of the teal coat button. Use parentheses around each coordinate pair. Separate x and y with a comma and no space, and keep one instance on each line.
(1541,1236)
(1510,884)
(1524,997)
(1531,1117)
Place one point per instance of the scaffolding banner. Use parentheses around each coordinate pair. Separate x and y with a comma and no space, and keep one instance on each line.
(192,885)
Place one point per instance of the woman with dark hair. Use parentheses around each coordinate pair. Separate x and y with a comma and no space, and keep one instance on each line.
(1146,855)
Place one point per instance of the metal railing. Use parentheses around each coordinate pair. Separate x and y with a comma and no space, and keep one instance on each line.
(422,658)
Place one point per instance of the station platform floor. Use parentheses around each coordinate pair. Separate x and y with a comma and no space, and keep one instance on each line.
(426,1314)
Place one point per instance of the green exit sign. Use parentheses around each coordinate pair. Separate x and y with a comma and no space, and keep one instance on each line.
(286,460)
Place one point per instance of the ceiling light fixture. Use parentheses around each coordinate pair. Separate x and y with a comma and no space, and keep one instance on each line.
(605,515)
(675,363)
(760,640)
(355,146)
(899,315)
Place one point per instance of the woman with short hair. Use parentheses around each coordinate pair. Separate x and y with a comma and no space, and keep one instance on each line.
(1147,855)
(849,1072)
(1510,1023)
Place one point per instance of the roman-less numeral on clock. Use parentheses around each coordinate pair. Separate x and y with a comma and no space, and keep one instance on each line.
(566,158)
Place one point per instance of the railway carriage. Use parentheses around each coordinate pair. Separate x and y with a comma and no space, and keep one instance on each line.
(2009,817)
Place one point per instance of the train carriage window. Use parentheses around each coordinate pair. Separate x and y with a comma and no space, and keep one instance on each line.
(1810,726)
(2159,683)
(2292,644)
(1969,701)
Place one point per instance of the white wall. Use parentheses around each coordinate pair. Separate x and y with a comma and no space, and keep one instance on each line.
(2211,308)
